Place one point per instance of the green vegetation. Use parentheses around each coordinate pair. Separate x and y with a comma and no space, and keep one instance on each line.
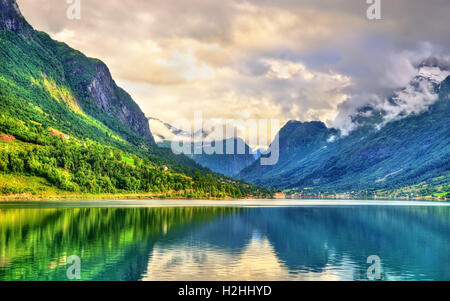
(90,167)
(127,160)
(26,185)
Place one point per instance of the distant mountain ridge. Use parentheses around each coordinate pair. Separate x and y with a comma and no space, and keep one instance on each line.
(226,164)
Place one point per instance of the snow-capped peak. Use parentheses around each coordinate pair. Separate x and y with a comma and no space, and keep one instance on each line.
(433,74)
(164,132)
(415,98)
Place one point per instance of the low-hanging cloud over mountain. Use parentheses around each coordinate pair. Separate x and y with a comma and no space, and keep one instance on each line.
(415,97)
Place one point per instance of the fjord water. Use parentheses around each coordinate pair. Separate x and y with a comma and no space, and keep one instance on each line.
(304,242)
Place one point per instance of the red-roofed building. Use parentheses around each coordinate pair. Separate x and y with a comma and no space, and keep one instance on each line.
(279,195)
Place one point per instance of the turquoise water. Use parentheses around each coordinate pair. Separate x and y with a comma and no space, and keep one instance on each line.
(255,240)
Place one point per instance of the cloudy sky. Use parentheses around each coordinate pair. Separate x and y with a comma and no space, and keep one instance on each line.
(285,59)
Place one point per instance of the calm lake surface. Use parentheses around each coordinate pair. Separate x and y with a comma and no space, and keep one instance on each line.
(240,240)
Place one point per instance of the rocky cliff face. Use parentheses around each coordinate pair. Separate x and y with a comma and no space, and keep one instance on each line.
(116,102)
(89,79)
(12,19)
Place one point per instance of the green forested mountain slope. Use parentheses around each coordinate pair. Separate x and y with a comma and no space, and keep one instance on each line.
(63,118)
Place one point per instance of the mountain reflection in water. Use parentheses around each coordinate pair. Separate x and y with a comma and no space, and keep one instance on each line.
(286,243)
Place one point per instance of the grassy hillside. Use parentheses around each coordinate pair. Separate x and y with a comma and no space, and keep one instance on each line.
(86,166)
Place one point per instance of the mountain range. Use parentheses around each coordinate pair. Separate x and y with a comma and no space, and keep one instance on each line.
(401,145)
(65,126)
(397,146)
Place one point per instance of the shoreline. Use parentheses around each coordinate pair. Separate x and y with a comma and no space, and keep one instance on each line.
(244,204)
(96,197)
(26,197)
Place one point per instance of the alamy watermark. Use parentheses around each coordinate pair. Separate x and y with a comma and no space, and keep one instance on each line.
(73,12)
(374,270)
(221,137)
(374,10)
(74,270)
